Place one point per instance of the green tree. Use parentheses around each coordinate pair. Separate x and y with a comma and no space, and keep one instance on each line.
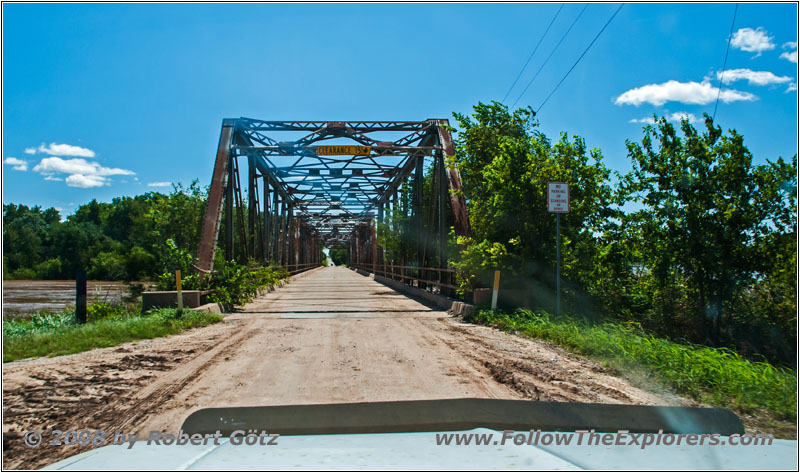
(711,225)
(506,163)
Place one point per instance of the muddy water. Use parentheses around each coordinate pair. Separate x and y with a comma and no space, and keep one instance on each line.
(33,296)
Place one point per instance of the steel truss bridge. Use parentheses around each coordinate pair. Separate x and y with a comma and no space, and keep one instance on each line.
(316,184)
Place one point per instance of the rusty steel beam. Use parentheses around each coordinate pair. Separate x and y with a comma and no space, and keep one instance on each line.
(213,215)
(374,240)
(457,201)
(251,206)
(330,198)
(361,126)
(297,241)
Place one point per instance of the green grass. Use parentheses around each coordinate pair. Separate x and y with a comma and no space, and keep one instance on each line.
(59,334)
(716,376)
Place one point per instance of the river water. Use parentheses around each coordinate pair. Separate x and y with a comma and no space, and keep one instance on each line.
(21,297)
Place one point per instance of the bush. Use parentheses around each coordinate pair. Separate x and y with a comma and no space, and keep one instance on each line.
(232,283)
(50,269)
(104,311)
(107,266)
(23,273)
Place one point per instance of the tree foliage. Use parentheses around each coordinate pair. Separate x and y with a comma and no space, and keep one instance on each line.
(129,238)
(697,242)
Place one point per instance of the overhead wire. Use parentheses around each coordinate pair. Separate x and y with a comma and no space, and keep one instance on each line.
(725,63)
(551,54)
(581,57)
(532,53)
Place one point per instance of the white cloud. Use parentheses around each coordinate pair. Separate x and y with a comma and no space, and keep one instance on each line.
(695,93)
(792,86)
(81,173)
(752,77)
(30,150)
(159,184)
(18,164)
(65,150)
(790,55)
(673,117)
(52,178)
(77,166)
(752,40)
(80,180)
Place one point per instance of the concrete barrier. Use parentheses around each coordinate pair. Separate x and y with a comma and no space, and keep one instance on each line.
(453,307)
(167,299)
(213,308)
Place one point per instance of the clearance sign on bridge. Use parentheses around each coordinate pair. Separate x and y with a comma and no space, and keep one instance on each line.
(343,150)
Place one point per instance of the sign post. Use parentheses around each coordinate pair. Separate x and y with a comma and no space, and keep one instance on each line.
(495,289)
(558,203)
(180,293)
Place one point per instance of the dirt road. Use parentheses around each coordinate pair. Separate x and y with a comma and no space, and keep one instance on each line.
(330,335)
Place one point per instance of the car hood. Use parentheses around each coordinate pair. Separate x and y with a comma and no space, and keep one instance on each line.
(419,450)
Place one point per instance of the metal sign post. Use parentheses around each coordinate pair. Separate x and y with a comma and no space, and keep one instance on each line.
(180,293)
(495,289)
(558,203)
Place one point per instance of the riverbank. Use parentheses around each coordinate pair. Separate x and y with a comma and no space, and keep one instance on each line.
(23,297)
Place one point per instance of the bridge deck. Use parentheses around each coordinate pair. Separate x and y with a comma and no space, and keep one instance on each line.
(338,292)
(330,336)
(336,336)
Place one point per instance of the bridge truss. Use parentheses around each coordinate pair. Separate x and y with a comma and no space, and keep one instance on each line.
(316,184)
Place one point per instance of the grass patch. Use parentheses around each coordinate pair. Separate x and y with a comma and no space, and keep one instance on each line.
(60,334)
(716,376)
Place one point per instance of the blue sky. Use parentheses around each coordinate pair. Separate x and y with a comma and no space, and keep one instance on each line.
(106,100)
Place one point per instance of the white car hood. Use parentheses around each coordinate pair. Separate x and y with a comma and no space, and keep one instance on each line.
(410,451)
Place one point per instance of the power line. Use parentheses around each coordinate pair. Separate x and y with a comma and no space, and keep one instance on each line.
(551,55)
(724,63)
(581,57)
(534,52)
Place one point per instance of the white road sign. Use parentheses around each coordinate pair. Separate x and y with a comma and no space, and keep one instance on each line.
(558,197)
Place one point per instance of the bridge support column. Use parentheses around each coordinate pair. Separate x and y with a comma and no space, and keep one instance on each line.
(267,228)
(213,212)
(296,242)
(251,206)
(374,241)
(419,221)
(229,210)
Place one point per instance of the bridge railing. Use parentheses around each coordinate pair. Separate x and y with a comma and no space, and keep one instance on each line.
(299,268)
(441,279)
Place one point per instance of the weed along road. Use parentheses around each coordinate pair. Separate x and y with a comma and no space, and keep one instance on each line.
(329,335)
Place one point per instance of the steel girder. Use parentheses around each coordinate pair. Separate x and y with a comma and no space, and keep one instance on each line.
(323,198)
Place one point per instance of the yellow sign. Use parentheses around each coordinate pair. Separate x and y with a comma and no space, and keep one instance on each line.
(343,150)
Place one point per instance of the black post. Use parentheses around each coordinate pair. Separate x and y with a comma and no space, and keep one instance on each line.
(80,296)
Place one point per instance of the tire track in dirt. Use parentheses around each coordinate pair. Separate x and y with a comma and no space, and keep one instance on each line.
(108,389)
(541,372)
